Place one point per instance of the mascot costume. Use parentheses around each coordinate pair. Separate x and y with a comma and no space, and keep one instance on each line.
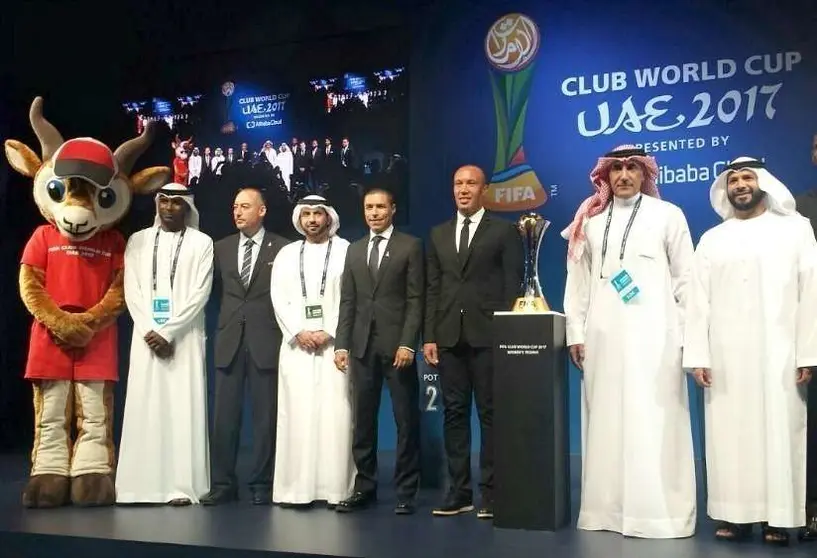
(182,150)
(71,281)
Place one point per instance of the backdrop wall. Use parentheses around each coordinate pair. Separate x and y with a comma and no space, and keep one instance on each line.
(696,83)
(534,92)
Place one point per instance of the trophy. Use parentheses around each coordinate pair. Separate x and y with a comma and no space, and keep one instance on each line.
(531,227)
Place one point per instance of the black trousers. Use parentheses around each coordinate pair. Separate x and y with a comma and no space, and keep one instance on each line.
(811,450)
(466,370)
(367,377)
(229,400)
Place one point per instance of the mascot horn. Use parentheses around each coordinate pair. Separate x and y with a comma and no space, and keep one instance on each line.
(71,281)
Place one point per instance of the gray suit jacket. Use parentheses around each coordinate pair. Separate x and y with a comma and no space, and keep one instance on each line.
(394,301)
(246,311)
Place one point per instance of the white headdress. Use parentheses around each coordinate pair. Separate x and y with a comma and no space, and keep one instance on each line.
(778,198)
(175,190)
(313,202)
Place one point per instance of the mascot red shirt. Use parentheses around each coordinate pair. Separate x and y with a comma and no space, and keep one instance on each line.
(96,261)
(71,281)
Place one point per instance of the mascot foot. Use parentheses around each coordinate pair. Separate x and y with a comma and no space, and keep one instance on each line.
(93,489)
(46,491)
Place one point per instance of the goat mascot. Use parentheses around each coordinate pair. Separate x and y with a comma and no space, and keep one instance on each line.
(71,280)
(182,150)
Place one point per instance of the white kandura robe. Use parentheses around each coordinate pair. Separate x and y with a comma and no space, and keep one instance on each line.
(638,471)
(164,451)
(313,455)
(750,320)
(285,163)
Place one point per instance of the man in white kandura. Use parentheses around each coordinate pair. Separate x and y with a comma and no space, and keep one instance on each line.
(163,454)
(629,255)
(313,459)
(751,340)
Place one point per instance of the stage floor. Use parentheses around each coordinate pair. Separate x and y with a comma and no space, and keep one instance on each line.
(241,530)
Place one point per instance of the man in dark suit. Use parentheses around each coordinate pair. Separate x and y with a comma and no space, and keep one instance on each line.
(246,350)
(381,312)
(807,207)
(474,267)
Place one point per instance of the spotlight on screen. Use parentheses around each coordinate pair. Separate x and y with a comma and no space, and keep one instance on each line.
(388,75)
(325,84)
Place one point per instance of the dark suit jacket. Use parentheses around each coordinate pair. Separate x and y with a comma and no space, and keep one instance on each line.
(246,311)
(807,207)
(394,302)
(464,297)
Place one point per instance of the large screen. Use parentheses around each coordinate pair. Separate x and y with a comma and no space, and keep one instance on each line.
(291,130)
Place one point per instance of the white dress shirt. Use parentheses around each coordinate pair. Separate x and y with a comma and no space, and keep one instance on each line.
(257,240)
(472,226)
(380,247)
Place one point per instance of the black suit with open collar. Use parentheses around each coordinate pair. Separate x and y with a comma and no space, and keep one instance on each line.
(247,343)
(377,316)
(462,292)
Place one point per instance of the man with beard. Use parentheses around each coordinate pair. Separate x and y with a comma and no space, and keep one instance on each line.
(807,207)
(313,461)
(168,278)
(751,340)
(629,255)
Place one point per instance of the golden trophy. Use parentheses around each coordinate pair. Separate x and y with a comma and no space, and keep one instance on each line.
(531,227)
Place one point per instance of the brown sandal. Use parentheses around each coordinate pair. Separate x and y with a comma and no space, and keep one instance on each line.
(732,532)
(775,535)
(179,502)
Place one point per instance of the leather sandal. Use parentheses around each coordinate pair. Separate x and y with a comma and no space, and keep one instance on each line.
(775,535)
(732,532)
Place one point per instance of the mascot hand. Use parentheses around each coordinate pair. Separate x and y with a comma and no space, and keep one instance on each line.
(74,331)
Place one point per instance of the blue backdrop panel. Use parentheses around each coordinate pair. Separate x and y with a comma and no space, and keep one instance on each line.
(696,83)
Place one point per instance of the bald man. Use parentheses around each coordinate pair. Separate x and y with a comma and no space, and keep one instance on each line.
(246,351)
(474,263)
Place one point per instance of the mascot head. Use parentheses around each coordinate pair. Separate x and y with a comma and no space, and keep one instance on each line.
(182,147)
(80,185)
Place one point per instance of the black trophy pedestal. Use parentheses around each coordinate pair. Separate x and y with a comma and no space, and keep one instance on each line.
(531,469)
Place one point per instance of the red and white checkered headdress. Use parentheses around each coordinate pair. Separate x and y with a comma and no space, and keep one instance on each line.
(595,204)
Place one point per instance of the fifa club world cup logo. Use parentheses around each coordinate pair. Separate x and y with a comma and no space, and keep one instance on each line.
(511,46)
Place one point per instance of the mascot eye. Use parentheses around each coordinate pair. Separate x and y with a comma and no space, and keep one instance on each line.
(56,190)
(106,198)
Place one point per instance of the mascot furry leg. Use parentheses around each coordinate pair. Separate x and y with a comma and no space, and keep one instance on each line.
(71,281)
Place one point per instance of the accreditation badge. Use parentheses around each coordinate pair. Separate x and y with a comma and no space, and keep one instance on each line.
(313,314)
(162,309)
(625,286)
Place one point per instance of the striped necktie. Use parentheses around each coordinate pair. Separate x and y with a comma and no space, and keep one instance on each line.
(247,263)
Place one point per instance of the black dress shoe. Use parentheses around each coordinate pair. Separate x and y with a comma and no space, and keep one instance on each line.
(358,501)
(454,506)
(809,532)
(219,496)
(404,507)
(260,498)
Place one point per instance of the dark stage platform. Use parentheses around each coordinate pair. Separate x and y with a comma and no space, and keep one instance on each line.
(242,531)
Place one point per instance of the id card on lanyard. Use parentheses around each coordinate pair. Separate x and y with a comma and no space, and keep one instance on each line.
(163,304)
(621,280)
(313,308)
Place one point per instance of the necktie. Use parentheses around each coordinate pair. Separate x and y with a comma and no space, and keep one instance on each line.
(374,257)
(247,263)
(463,247)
